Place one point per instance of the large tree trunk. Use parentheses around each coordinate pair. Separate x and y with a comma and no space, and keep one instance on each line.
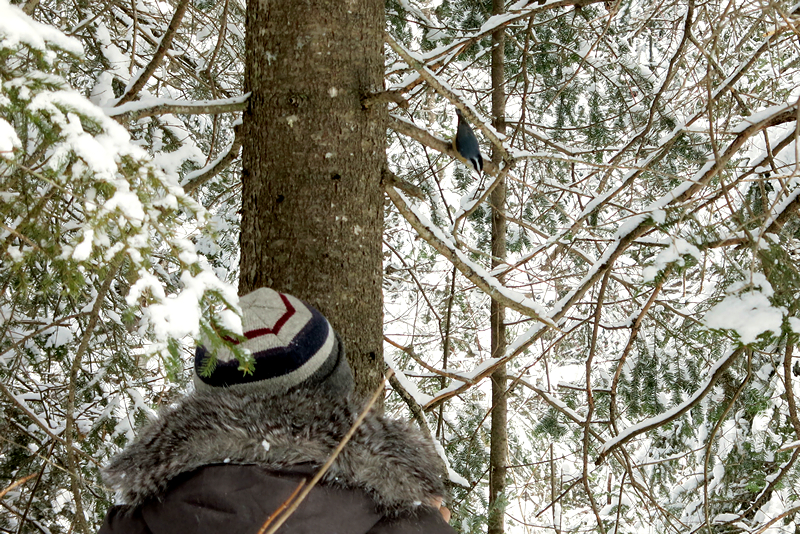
(498,456)
(312,211)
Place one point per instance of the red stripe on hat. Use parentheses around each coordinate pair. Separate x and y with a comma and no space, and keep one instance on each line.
(278,325)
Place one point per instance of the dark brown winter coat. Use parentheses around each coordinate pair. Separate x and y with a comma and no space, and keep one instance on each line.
(224,462)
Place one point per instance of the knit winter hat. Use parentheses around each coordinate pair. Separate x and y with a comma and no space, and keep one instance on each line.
(291,342)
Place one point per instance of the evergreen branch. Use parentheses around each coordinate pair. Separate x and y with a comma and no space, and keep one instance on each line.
(716,428)
(441,56)
(560,407)
(780,116)
(774,481)
(44,530)
(39,474)
(717,370)
(189,68)
(786,140)
(637,325)
(667,144)
(743,109)
(22,237)
(38,422)
(671,71)
(597,270)
(678,195)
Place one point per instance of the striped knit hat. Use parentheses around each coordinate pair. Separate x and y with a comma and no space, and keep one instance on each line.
(291,342)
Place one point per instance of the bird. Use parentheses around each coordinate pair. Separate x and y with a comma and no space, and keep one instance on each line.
(466,144)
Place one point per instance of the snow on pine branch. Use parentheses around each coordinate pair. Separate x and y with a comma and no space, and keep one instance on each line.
(102,281)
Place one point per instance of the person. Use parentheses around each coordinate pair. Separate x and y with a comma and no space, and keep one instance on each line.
(232,453)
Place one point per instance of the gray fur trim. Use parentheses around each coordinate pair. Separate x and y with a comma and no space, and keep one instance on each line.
(390,460)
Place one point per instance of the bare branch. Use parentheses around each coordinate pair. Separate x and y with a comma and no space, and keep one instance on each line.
(195,179)
(133,111)
(138,83)
(488,284)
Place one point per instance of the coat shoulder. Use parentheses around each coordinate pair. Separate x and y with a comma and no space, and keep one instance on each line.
(396,466)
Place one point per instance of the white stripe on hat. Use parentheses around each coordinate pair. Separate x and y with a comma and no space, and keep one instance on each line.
(307,369)
(261,317)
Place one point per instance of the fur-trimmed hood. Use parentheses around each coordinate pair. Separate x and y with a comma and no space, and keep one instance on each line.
(388,459)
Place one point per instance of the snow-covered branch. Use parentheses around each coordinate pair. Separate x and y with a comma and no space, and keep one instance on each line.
(474,272)
(148,107)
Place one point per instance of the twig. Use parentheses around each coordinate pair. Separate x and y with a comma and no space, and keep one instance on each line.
(390,179)
(17,483)
(306,489)
(413,355)
(590,399)
(282,507)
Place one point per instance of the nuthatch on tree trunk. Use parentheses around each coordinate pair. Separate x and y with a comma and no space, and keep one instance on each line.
(466,144)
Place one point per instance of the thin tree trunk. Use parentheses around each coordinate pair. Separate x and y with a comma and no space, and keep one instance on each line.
(312,207)
(498,456)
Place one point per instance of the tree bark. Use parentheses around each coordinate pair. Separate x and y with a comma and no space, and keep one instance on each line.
(312,206)
(498,455)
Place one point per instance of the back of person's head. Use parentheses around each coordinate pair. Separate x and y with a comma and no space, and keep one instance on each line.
(292,344)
